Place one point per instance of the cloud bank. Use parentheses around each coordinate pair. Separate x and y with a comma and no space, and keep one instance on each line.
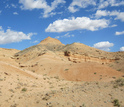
(100,4)
(103,45)
(41,4)
(119,33)
(76,4)
(122,49)
(78,23)
(10,36)
(118,15)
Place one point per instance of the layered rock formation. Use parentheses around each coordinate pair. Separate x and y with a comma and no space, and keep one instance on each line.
(51,57)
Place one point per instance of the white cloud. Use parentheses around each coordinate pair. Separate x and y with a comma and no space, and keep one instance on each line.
(36,41)
(119,33)
(116,2)
(10,36)
(57,37)
(103,45)
(13,5)
(76,4)
(104,4)
(101,13)
(9,27)
(99,4)
(15,13)
(7,6)
(78,23)
(1,28)
(33,4)
(113,25)
(41,4)
(119,15)
(67,35)
(122,48)
(0,11)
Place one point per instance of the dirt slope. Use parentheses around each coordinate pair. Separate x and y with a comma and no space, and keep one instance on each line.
(20,89)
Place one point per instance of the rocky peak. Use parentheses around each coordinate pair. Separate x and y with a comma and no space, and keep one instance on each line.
(50,40)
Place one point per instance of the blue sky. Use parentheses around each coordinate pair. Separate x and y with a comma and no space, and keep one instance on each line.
(96,23)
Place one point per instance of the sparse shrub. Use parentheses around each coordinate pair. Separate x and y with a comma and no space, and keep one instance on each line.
(97,83)
(33,70)
(11,90)
(1,79)
(66,69)
(115,86)
(119,82)
(117,58)
(44,78)
(116,62)
(119,70)
(24,89)
(44,74)
(111,65)
(114,77)
(53,92)
(94,72)
(37,101)
(116,102)
(46,97)
(83,105)
(56,77)
(87,83)
(15,105)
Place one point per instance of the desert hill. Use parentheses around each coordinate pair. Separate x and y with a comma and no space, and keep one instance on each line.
(75,61)
(52,74)
(5,51)
(6,55)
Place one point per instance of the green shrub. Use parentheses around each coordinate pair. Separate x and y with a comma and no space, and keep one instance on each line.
(24,89)
(66,69)
(94,72)
(116,102)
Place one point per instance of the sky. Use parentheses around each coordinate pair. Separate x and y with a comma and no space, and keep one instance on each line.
(96,23)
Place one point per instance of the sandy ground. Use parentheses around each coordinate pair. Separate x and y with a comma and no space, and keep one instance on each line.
(20,89)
